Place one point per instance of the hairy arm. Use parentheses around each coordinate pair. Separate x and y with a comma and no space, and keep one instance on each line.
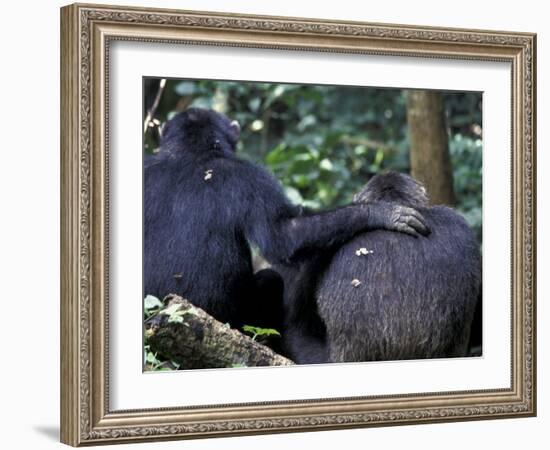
(284,232)
(302,234)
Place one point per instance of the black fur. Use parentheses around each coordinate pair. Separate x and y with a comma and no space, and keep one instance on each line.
(203,205)
(304,332)
(412,298)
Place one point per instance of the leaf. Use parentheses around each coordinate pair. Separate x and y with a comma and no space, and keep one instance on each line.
(294,195)
(326,164)
(277,155)
(257,331)
(254,104)
(176,313)
(268,332)
(151,302)
(306,122)
(249,329)
(185,88)
(202,102)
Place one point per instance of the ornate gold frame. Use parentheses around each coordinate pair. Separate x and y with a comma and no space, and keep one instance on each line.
(86,31)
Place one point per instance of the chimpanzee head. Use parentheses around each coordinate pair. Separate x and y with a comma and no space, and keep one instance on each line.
(393,187)
(200,130)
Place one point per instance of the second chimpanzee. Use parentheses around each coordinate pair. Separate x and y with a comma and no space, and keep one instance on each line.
(203,206)
(384,295)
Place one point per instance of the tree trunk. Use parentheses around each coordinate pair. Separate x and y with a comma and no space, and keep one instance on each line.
(430,160)
(193,339)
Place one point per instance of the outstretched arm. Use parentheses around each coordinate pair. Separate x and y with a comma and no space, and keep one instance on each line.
(301,234)
(283,232)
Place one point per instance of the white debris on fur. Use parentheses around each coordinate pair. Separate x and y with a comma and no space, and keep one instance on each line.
(363,251)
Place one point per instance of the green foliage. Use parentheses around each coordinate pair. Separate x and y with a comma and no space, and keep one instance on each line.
(156,363)
(152,361)
(256,332)
(176,313)
(466,158)
(324,142)
(152,304)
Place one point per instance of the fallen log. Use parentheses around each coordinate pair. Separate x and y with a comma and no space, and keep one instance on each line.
(193,339)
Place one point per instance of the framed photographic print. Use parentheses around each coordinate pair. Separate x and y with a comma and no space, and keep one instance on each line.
(268,221)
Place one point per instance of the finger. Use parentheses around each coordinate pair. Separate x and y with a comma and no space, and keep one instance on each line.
(415,213)
(404,228)
(408,212)
(415,223)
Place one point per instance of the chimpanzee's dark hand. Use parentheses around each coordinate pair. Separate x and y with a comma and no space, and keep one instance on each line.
(393,217)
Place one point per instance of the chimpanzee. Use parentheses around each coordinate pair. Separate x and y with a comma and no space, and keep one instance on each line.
(389,296)
(203,206)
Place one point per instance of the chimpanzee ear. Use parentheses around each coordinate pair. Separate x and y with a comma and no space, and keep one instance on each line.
(235,127)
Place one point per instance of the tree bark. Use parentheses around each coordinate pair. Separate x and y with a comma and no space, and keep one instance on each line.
(195,340)
(429,154)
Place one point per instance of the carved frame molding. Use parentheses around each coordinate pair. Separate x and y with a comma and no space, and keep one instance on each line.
(86,31)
